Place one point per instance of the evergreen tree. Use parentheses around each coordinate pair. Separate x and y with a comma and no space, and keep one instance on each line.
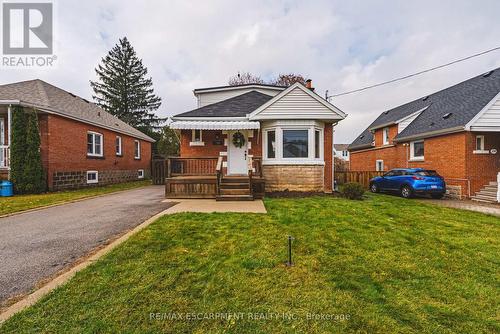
(33,174)
(18,147)
(168,144)
(123,88)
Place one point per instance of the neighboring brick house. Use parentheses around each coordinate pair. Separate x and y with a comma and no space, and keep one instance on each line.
(81,144)
(287,134)
(455,131)
(341,151)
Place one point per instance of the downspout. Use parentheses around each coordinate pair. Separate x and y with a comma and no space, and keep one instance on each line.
(9,129)
(333,159)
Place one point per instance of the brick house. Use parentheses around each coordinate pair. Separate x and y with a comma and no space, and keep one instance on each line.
(455,131)
(244,140)
(81,144)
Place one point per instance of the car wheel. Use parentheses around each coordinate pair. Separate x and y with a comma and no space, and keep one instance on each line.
(437,196)
(374,188)
(406,192)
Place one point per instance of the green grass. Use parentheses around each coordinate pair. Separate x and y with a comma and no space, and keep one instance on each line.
(391,265)
(25,202)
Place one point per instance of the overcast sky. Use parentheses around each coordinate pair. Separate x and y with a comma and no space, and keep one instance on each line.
(340,45)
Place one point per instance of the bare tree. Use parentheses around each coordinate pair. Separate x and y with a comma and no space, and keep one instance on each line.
(288,79)
(244,78)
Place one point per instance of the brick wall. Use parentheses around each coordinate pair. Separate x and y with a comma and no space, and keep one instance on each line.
(64,149)
(482,168)
(294,177)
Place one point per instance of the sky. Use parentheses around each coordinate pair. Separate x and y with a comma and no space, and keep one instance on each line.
(340,45)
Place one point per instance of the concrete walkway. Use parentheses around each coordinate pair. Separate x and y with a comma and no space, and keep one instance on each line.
(36,245)
(211,205)
(491,209)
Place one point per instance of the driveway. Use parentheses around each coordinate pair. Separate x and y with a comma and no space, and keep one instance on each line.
(36,245)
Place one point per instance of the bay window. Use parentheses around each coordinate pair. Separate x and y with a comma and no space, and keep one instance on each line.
(293,142)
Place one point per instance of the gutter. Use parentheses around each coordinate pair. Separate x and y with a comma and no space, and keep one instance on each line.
(430,134)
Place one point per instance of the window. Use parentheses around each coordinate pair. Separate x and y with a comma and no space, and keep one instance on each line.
(94,144)
(92,176)
(137,149)
(386,136)
(417,150)
(379,165)
(317,143)
(345,154)
(196,138)
(295,144)
(140,173)
(118,145)
(271,144)
(479,144)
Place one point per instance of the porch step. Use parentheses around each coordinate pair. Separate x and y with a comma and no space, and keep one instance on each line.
(234,198)
(488,194)
(234,185)
(238,191)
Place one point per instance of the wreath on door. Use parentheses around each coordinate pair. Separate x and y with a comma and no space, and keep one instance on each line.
(238,139)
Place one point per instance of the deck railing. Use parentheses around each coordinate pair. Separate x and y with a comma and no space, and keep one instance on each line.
(4,156)
(191,166)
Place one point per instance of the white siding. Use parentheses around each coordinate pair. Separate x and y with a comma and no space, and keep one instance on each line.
(296,105)
(490,119)
(406,121)
(214,97)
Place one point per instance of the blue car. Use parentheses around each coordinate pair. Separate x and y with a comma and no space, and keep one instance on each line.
(409,182)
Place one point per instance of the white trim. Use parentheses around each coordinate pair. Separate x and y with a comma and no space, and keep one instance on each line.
(385,136)
(469,125)
(412,151)
(138,155)
(481,152)
(140,173)
(293,162)
(215,125)
(339,114)
(208,119)
(381,168)
(239,87)
(9,135)
(94,134)
(120,151)
(96,177)
(411,115)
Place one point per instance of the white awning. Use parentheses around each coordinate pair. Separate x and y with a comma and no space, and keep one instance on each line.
(215,125)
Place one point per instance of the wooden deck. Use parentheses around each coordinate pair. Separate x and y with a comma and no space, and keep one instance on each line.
(205,178)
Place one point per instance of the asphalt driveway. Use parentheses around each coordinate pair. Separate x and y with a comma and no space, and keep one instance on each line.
(36,245)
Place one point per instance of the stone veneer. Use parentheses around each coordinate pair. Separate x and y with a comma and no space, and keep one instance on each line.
(294,177)
(78,179)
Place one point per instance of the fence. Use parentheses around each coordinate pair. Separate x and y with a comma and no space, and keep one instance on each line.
(362,177)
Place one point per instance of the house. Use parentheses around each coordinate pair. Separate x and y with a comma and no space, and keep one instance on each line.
(455,131)
(341,151)
(245,140)
(81,144)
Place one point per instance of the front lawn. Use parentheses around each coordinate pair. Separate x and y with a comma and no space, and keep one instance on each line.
(18,203)
(383,265)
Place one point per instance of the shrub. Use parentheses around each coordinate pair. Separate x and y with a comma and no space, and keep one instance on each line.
(352,191)
(18,147)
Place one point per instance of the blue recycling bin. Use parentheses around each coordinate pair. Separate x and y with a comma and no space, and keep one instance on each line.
(6,189)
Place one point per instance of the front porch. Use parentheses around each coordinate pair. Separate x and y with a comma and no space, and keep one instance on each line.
(208,178)
(5,126)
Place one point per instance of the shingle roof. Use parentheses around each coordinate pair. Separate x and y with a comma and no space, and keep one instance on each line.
(340,147)
(462,101)
(238,106)
(44,95)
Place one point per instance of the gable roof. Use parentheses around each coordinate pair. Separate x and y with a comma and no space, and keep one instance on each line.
(332,112)
(238,106)
(44,96)
(461,103)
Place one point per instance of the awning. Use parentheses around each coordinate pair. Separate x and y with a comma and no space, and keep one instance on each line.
(215,125)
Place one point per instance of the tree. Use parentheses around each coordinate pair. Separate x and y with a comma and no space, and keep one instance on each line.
(288,79)
(18,147)
(124,89)
(168,144)
(244,78)
(33,174)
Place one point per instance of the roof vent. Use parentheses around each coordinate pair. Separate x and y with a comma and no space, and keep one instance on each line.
(99,113)
(72,94)
(362,136)
(86,100)
(447,115)
(425,98)
(432,124)
(487,74)
(386,112)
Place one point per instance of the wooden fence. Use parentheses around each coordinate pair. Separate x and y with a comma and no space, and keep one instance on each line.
(362,177)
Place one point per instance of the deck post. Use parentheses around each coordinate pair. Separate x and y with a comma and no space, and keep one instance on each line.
(498,187)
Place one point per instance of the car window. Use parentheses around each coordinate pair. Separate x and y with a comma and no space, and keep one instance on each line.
(426,173)
(390,173)
(398,173)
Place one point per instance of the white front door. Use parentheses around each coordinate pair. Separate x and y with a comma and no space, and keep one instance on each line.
(236,156)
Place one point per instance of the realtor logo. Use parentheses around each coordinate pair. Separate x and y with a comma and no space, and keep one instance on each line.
(27,28)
